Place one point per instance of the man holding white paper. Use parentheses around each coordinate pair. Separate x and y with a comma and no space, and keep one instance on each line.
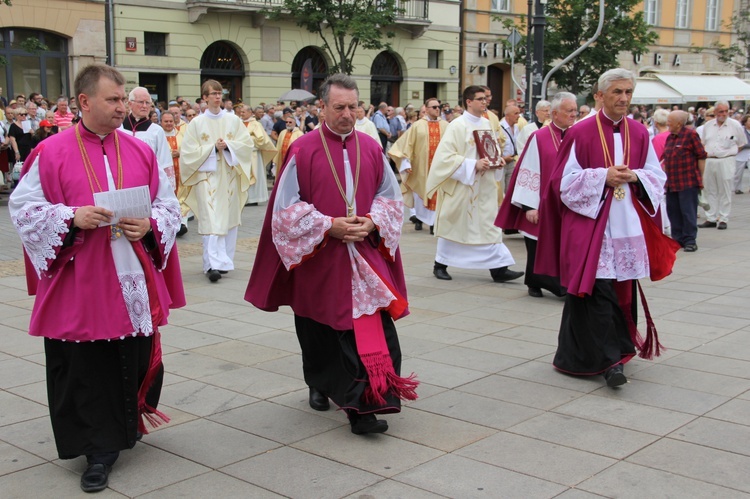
(216,171)
(102,291)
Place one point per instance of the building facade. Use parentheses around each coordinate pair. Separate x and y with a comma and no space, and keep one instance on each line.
(686,28)
(63,35)
(171,46)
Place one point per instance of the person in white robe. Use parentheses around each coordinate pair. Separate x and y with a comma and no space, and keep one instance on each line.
(140,127)
(467,198)
(263,153)
(216,170)
(363,124)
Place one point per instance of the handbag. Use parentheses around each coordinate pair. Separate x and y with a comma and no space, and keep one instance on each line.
(16,173)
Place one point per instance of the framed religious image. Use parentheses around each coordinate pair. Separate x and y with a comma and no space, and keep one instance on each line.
(487,147)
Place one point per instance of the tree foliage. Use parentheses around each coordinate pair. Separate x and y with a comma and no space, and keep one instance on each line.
(343,25)
(737,53)
(570,23)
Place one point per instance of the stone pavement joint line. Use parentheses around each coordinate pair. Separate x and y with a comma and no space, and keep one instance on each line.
(493,419)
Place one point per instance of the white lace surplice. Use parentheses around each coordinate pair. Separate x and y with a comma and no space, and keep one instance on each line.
(298,228)
(623,255)
(42,224)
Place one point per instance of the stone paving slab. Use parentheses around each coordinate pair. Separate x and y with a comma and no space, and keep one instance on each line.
(494,419)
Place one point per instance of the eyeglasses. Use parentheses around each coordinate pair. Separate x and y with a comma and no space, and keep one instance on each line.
(216,94)
(142,102)
(23,114)
(482,99)
(711,115)
(433,107)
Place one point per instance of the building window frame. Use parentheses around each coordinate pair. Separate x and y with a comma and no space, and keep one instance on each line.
(500,5)
(682,14)
(651,12)
(154,43)
(712,15)
(434,59)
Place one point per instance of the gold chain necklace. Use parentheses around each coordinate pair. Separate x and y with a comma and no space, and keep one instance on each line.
(555,142)
(116,232)
(609,160)
(349,205)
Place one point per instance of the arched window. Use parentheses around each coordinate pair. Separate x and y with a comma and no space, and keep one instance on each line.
(386,79)
(222,62)
(318,64)
(29,67)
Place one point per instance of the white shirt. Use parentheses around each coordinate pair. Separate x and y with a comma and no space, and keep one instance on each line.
(723,141)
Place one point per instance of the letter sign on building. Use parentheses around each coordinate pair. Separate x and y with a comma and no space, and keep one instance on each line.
(482,49)
(657,59)
(677,61)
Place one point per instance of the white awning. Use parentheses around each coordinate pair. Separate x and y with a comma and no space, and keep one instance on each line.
(650,91)
(707,87)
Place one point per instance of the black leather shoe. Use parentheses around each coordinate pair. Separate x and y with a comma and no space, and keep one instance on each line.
(722,226)
(213,275)
(442,274)
(689,248)
(367,423)
(510,232)
(503,274)
(413,219)
(318,401)
(95,478)
(535,292)
(432,230)
(183,230)
(707,225)
(417,225)
(614,376)
(223,272)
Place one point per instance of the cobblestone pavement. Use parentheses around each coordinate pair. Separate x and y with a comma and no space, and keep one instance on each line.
(493,418)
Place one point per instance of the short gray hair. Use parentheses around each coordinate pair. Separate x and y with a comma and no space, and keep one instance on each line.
(721,103)
(613,75)
(131,95)
(542,104)
(558,99)
(660,116)
(338,80)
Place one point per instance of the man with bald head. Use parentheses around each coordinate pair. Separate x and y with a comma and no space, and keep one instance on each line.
(509,126)
(683,160)
(139,126)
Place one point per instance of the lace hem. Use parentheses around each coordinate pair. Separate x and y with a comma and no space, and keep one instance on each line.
(388,216)
(529,180)
(369,292)
(40,225)
(168,219)
(135,293)
(297,230)
(623,259)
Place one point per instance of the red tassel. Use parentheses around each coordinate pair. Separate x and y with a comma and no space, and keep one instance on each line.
(651,346)
(383,379)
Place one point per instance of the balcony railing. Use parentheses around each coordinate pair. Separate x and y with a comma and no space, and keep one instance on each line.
(413,10)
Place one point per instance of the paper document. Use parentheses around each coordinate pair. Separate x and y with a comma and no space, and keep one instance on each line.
(134,202)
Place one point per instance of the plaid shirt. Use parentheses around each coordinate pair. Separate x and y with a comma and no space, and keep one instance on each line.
(680,160)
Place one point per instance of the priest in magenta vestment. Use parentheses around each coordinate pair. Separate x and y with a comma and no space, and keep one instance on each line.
(597,220)
(102,291)
(329,249)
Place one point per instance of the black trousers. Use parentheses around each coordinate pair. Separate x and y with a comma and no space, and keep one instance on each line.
(92,388)
(331,364)
(532,280)
(594,334)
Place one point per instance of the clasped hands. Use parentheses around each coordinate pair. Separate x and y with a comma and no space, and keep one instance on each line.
(620,174)
(90,217)
(351,229)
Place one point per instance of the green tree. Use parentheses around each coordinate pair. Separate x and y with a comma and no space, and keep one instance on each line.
(570,23)
(343,25)
(738,53)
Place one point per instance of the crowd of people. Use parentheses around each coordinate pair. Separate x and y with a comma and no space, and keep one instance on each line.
(593,191)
